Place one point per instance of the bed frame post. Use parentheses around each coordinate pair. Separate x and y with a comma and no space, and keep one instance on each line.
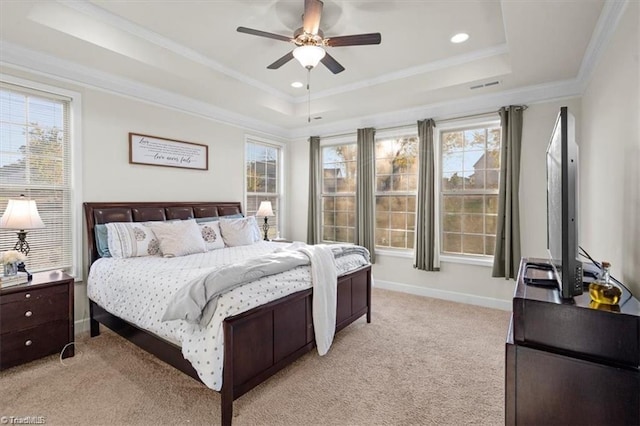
(226,393)
(93,324)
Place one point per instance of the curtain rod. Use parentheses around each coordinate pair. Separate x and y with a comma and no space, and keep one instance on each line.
(441,120)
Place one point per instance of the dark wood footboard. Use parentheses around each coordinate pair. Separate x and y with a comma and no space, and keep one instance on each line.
(257,343)
(260,342)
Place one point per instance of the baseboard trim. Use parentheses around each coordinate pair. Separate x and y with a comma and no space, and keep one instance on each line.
(470,299)
(81,326)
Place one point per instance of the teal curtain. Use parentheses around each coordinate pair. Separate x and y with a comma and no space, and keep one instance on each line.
(426,247)
(365,191)
(315,200)
(507,253)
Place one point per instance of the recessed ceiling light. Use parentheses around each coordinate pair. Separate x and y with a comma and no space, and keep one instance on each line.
(297,84)
(460,38)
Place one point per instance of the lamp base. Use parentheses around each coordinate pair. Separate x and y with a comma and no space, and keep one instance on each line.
(22,245)
(265,228)
(22,268)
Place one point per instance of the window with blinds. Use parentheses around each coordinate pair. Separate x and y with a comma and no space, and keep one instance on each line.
(262,176)
(35,160)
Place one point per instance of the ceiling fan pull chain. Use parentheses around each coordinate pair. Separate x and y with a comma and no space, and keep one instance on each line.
(308,95)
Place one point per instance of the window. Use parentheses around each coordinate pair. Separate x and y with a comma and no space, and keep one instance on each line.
(396,187)
(36,160)
(470,164)
(339,193)
(263,163)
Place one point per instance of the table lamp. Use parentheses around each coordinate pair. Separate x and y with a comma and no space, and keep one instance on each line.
(21,215)
(265,210)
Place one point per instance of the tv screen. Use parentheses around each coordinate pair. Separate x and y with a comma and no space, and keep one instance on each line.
(562,205)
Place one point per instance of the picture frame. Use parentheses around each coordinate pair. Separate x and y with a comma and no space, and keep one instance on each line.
(159,151)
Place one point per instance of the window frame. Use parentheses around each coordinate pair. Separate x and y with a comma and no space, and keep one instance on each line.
(406,131)
(280,181)
(75,176)
(454,125)
(350,139)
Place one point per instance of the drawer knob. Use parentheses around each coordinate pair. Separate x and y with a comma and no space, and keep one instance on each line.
(27,296)
(28,343)
(28,314)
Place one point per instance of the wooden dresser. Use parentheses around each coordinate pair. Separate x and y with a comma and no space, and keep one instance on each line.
(571,363)
(36,319)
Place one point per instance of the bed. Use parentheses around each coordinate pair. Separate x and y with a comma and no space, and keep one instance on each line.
(256,341)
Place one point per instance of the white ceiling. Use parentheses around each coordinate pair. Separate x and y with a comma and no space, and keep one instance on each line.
(188,53)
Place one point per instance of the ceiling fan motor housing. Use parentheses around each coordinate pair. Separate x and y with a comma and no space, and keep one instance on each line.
(302,38)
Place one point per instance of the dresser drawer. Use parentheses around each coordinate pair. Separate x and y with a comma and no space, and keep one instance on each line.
(43,306)
(33,343)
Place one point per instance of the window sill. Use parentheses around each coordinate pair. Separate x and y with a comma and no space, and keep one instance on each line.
(407,254)
(468,260)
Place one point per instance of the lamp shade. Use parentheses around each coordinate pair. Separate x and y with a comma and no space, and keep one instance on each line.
(21,214)
(265,209)
(309,56)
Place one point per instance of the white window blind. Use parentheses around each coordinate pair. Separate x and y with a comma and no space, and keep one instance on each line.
(262,177)
(35,160)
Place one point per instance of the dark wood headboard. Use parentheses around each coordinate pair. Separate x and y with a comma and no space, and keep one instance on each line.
(97,213)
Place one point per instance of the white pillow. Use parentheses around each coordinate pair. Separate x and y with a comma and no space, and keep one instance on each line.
(239,232)
(131,239)
(211,235)
(178,238)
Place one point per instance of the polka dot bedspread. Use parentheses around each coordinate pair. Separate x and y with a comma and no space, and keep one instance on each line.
(139,289)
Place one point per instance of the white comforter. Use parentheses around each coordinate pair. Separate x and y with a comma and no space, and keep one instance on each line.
(138,290)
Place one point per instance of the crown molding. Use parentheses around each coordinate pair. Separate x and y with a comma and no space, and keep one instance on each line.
(410,72)
(100,14)
(606,26)
(444,110)
(70,72)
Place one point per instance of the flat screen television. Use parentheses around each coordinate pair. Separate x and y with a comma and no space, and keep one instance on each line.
(563,207)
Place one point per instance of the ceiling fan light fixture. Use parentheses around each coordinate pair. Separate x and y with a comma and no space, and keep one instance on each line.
(309,56)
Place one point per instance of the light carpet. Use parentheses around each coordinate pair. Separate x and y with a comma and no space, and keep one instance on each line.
(421,361)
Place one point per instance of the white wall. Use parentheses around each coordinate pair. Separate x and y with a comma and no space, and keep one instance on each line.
(610,155)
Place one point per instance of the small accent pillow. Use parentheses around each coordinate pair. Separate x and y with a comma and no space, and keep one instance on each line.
(179,238)
(131,239)
(239,232)
(211,235)
(102,240)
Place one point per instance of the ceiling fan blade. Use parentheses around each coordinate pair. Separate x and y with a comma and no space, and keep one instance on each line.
(333,65)
(354,40)
(280,62)
(311,17)
(263,34)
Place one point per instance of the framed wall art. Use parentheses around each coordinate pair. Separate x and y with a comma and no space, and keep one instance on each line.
(157,151)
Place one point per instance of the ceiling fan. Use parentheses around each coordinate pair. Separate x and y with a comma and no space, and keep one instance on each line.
(311,43)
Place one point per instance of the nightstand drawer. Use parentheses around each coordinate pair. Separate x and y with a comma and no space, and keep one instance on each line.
(44,306)
(27,345)
(30,294)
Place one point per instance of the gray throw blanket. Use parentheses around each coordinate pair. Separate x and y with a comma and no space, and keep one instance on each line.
(196,302)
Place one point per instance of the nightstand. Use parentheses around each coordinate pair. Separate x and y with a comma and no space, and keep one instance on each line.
(36,319)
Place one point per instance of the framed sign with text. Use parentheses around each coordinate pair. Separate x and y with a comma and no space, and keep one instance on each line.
(156,151)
